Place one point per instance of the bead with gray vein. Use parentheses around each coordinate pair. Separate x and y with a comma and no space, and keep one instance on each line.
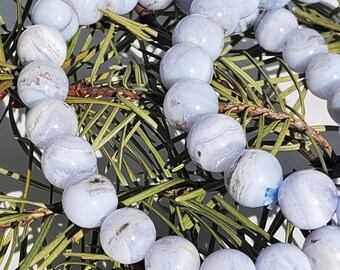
(120,7)
(155,4)
(87,10)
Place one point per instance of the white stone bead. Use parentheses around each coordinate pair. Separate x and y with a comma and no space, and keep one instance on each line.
(215,142)
(68,158)
(302,45)
(247,7)
(273,4)
(127,234)
(323,71)
(184,5)
(48,120)
(338,211)
(274,29)
(40,81)
(310,1)
(308,199)
(87,10)
(255,180)
(41,42)
(245,23)
(227,259)
(89,201)
(201,31)
(155,4)
(282,256)
(172,253)
(187,101)
(120,7)
(323,249)
(57,14)
(333,102)
(185,61)
(224,12)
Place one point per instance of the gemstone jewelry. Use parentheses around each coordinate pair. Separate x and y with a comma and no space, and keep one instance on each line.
(273,4)
(155,5)
(247,7)
(120,6)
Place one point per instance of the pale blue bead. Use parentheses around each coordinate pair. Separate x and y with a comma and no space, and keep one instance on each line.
(201,31)
(273,4)
(302,45)
(323,71)
(41,42)
(224,12)
(155,5)
(40,81)
(172,253)
(58,14)
(245,23)
(282,256)
(126,235)
(310,1)
(187,101)
(228,259)
(89,201)
(184,5)
(308,199)
(215,142)
(323,249)
(120,7)
(274,29)
(247,7)
(185,61)
(87,10)
(333,102)
(338,211)
(256,173)
(68,158)
(48,120)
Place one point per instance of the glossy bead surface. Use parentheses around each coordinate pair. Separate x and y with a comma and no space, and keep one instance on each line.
(89,201)
(48,120)
(87,10)
(333,102)
(187,101)
(247,22)
(40,81)
(41,42)
(57,14)
(224,12)
(282,256)
(184,5)
(227,259)
(247,7)
(273,4)
(120,7)
(274,29)
(255,180)
(323,71)
(323,249)
(68,158)
(155,5)
(308,199)
(310,1)
(302,45)
(338,211)
(172,253)
(127,234)
(201,31)
(215,142)
(185,61)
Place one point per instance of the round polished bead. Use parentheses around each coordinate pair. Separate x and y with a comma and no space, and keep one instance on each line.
(323,71)
(302,45)
(126,235)
(273,4)
(323,249)
(310,1)
(89,201)
(274,29)
(87,10)
(255,180)
(227,259)
(68,158)
(308,199)
(40,81)
(48,120)
(247,22)
(282,256)
(247,7)
(333,102)
(155,5)
(215,142)
(338,211)
(120,7)
(201,31)
(184,5)
(172,253)
(57,14)
(41,42)
(224,12)
(187,101)
(185,61)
